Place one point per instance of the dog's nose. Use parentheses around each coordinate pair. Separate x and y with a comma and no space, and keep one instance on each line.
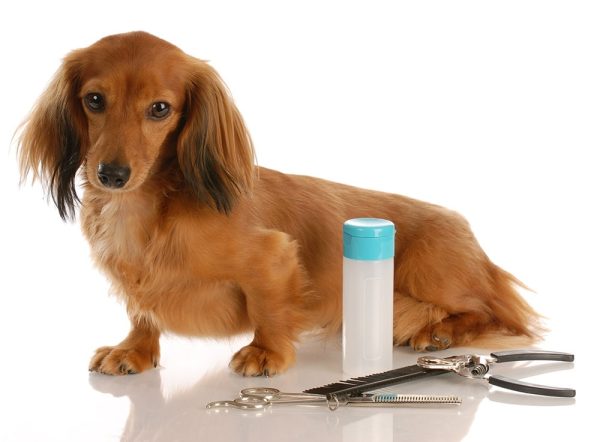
(113,175)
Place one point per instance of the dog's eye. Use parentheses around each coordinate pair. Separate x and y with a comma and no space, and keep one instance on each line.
(159,110)
(94,102)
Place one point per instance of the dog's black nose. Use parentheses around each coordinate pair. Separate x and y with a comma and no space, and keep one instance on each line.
(113,175)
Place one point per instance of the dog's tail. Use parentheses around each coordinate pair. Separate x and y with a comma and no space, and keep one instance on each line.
(515,323)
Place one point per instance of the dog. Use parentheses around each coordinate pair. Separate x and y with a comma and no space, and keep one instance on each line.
(199,241)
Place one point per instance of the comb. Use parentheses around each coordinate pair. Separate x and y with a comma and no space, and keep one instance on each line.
(387,399)
(357,386)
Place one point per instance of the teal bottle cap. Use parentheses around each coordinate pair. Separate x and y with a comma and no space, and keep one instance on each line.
(369,239)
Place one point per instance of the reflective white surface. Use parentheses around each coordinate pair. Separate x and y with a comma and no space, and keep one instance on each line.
(488,108)
(48,395)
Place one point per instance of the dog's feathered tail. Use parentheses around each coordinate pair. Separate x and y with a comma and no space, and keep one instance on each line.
(517,323)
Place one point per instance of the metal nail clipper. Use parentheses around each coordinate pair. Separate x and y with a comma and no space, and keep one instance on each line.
(477,367)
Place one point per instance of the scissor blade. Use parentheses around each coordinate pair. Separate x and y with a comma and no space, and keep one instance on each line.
(402,400)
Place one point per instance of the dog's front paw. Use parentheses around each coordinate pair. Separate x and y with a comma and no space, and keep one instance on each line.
(255,361)
(121,361)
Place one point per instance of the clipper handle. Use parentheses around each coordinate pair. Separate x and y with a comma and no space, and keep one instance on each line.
(532,355)
(526,387)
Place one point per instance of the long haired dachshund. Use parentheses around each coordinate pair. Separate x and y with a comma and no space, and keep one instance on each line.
(199,241)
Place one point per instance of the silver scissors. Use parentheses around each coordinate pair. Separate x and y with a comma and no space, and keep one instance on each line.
(258,398)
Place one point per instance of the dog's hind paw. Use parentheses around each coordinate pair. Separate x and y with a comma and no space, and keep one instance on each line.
(255,361)
(434,337)
(455,330)
(121,361)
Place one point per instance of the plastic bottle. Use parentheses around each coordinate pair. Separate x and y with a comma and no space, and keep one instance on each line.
(368,296)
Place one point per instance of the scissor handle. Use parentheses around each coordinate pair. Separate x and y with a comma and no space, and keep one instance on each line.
(266,393)
(532,355)
(526,387)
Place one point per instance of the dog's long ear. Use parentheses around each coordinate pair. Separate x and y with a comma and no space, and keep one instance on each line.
(214,149)
(50,140)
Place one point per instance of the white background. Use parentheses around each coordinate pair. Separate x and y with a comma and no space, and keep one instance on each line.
(489,108)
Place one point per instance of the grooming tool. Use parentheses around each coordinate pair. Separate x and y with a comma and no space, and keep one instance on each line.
(357,386)
(474,365)
(393,399)
(478,366)
(352,392)
(257,398)
(263,397)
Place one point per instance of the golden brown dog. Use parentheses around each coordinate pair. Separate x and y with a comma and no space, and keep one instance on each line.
(200,242)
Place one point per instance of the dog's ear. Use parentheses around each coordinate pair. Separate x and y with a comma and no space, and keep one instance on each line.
(214,149)
(50,140)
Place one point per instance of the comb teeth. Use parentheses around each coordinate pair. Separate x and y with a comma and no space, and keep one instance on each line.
(359,385)
(415,399)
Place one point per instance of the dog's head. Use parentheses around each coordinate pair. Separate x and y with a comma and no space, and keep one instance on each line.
(123,108)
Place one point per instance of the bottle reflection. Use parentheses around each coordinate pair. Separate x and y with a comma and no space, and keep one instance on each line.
(378,427)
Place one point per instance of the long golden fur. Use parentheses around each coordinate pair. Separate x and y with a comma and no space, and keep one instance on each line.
(199,241)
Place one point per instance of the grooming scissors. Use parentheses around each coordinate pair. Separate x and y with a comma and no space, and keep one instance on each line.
(262,397)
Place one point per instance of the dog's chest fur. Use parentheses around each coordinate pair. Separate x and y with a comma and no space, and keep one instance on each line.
(147,261)
(119,230)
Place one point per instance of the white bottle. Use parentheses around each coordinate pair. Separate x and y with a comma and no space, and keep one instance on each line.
(368,296)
